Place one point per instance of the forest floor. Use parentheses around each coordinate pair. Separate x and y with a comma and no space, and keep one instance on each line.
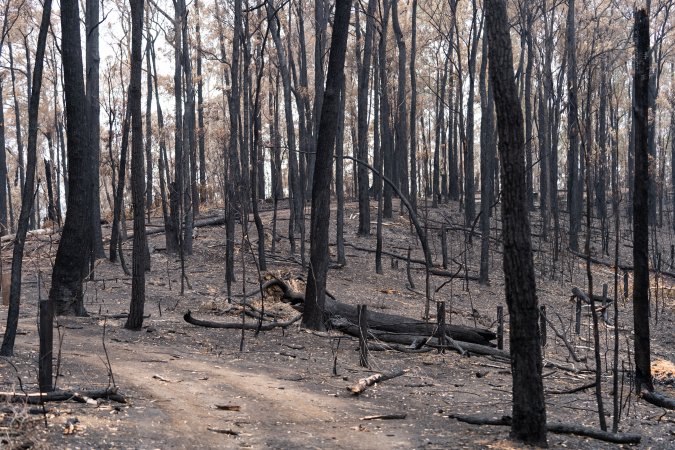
(192,387)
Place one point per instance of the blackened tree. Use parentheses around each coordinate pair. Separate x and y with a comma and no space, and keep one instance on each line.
(135,319)
(643,375)
(529,409)
(315,295)
(27,195)
(70,266)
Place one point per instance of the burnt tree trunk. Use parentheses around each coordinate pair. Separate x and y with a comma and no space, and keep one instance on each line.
(385,132)
(92,87)
(315,296)
(643,376)
(73,253)
(401,126)
(487,159)
(529,409)
(363,82)
(3,168)
(135,319)
(7,348)
(573,183)
(413,111)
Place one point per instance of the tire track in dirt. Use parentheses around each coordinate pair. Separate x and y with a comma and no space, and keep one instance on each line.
(180,396)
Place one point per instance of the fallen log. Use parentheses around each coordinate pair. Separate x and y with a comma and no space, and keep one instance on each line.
(623,266)
(559,428)
(365,383)
(385,322)
(416,341)
(657,399)
(574,390)
(406,325)
(578,293)
(238,326)
(385,417)
(38,398)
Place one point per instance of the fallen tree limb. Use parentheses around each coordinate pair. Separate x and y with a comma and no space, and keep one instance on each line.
(385,417)
(60,396)
(344,313)
(406,325)
(569,346)
(578,293)
(574,390)
(238,326)
(622,266)
(416,341)
(365,383)
(432,270)
(657,399)
(559,428)
(378,347)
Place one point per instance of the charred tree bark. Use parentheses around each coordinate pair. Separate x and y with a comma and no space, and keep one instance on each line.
(315,296)
(295,185)
(17,119)
(73,253)
(135,319)
(363,82)
(7,348)
(92,87)
(339,177)
(148,130)
(116,231)
(401,127)
(385,133)
(469,185)
(487,158)
(413,110)
(162,166)
(4,226)
(529,410)
(643,375)
(200,110)
(573,182)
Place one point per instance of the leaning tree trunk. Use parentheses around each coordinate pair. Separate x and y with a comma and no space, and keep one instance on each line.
(529,409)
(7,348)
(315,296)
(643,375)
